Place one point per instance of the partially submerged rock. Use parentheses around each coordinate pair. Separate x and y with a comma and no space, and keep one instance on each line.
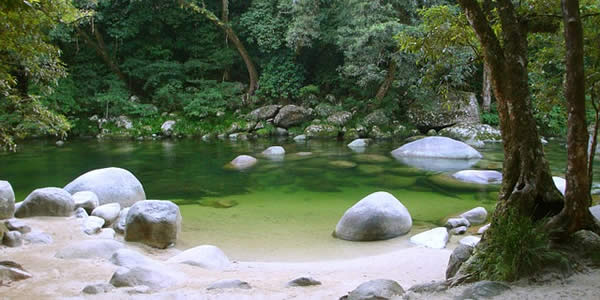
(376,289)
(274,151)
(46,202)
(229,284)
(436,238)
(110,185)
(205,256)
(359,143)
(243,162)
(479,176)
(378,216)
(7,200)
(437,147)
(342,164)
(153,222)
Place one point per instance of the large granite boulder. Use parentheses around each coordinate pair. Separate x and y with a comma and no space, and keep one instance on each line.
(242,162)
(92,225)
(378,216)
(46,202)
(472,134)
(205,256)
(87,249)
(110,185)
(87,200)
(7,200)
(457,258)
(479,176)
(437,147)
(436,238)
(376,289)
(274,151)
(263,113)
(153,222)
(291,115)
(459,107)
(109,212)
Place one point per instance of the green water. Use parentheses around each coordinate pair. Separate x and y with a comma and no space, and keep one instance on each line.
(280,210)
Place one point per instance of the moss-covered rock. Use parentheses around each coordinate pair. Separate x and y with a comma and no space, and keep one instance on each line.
(321,131)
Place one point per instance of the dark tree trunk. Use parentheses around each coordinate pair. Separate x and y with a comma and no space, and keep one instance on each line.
(225,19)
(486,91)
(22,82)
(387,82)
(594,140)
(575,214)
(527,184)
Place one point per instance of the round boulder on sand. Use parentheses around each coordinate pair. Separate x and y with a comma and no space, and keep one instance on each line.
(153,222)
(437,147)
(379,216)
(46,202)
(376,289)
(110,185)
(153,277)
(479,176)
(243,162)
(108,212)
(87,200)
(7,200)
(436,238)
(205,256)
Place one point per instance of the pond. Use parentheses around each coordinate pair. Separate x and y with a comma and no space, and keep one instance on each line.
(282,210)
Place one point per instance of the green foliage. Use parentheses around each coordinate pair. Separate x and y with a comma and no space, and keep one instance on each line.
(281,78)
(211,98)
(491,117)
(553,122)
(515,247)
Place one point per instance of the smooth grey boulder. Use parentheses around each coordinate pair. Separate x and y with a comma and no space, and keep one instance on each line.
(88,200)
(153,222)
(429,287)
(109,212)
(457,222)
(205,256)
(110,185)
(92,225)
(291,115)
(46,202)
(119,225)
(436,238)
(17,225)
(484,289)
(470,241)
(38,237)
(7,200)
(243,162)
(479,176)
(472,134)
(457,258)
(378,216)
(303,281)
(476,216)
(300,138)
(437,147)
(11,271)
(153,277)
(12,239)
(321,131)
(263,113)
(98,288)
(87,249)
(106,233)
(376,289)
(129,258)
(595,211)
(339,118)
(229,284)
(80,213)
(167,127)
(359,143)
(483,229)
(274,150)
(560,183)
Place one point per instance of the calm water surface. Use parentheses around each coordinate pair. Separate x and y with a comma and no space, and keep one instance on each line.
(280,209)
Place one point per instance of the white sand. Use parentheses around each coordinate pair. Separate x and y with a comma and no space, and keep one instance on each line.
(57,278)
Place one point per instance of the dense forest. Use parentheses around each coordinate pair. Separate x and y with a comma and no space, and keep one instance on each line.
(209,62)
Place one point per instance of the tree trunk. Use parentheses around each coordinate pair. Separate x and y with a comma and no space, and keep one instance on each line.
(225,19)
(486,92)
(387,82)
(527,185)
(575,214)
(594,140)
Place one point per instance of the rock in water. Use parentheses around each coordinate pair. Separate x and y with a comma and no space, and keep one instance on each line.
(479,176)
(435,238)
(376,289)
(229,284)
(90,249)
(150,276)
(437,147)
(110,185)
(46,202)
(109,212)
(7,200)
(153,222)
(206,256)
(274,150)
(476,216)
(243,162)
(291,115)
(457,258)
(359,143)
(87,200)
(560,183)
(378,216)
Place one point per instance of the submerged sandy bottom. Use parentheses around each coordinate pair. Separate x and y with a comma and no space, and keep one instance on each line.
(57,278)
